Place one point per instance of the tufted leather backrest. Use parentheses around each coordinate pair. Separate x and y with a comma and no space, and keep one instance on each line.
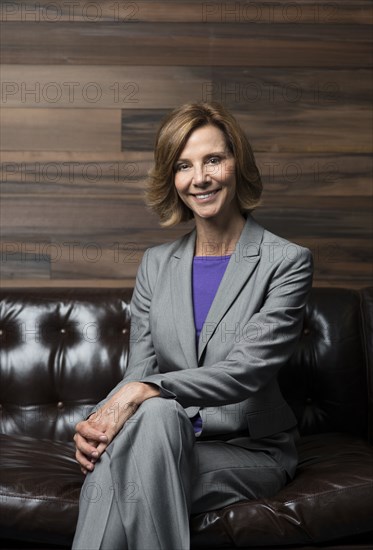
(62,350)
(326,380)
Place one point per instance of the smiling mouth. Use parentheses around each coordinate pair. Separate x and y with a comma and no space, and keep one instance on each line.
(206,195)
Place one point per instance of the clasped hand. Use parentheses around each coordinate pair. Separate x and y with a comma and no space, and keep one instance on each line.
(94,434)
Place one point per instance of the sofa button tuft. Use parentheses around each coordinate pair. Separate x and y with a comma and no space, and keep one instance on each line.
(60,405)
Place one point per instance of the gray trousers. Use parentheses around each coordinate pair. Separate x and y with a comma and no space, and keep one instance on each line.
(156,473)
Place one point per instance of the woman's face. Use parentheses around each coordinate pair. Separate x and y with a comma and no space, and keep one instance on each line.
(205,175)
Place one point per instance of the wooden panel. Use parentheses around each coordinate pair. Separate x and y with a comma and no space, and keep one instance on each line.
(100,87)
(309,175)
(66,173)
(79,256)
(129,283)
(139,127)
(167,87)
(109,237)
(297,76)
(317,201)
(87,215)
(60,129)
(15,265)
(194,11)
(246,88)
(342,259)
(70,258)
(316,131)
(298,174)
(68,283)
(274,130)
(336,262)
(94,179)
(74,156)
(281,110)
(251,45)
(338,230)
(336,217)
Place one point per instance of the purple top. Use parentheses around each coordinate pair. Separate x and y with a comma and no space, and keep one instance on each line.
(208,272)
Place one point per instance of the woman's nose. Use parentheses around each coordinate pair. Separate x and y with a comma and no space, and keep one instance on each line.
(200,176)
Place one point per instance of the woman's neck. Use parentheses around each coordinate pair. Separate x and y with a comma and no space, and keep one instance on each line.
(218,239)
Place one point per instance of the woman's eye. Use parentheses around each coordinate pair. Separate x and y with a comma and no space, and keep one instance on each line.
(180,167)
(214,160)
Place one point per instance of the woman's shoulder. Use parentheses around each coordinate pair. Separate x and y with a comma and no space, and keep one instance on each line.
(161,254)
(281,251)
(157,259)
(277,240)
(269,244)
(165,250)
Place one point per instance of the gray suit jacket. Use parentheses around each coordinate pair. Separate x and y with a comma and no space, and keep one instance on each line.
(251,330)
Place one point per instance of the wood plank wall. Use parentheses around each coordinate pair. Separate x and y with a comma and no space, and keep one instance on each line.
(85,84)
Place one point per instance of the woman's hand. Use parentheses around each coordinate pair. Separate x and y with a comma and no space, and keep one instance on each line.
(95,434)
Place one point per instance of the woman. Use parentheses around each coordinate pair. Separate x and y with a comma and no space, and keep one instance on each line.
(198,421)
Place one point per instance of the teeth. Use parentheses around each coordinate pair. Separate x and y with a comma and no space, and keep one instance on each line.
(205,195)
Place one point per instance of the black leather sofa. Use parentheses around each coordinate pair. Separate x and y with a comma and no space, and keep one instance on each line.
(62,350)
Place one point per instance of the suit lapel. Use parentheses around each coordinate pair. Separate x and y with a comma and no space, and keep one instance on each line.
(182,298)
(240,267)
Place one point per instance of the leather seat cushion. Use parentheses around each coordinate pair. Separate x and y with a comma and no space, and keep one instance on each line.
(306,511)
(330,497)
(40,483)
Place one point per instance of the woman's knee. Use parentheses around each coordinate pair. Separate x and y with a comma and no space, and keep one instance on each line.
(156,416)
(157,409)
(157,424)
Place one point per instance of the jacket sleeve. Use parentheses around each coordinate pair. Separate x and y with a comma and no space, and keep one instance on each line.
(142,360)
(266,343)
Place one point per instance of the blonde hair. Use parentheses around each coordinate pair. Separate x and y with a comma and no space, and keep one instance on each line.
(174,132)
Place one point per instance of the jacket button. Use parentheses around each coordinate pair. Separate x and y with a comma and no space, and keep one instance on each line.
(63,331)
(306,331)
(60,405)
(124,331)
(309,400)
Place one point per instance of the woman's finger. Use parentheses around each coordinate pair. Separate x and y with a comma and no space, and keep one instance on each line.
(84,462)
(86,447)
(86,430)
